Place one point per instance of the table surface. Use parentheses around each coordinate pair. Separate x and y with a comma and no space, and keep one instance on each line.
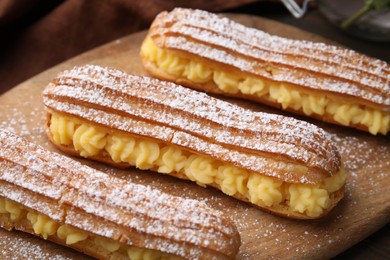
(377,245)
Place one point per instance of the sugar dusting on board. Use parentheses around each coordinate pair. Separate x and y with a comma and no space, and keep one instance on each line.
(26,119)
(29,249)
(372,156)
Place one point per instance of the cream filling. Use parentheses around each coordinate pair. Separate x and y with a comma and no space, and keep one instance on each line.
(44,226)
(144,153)
(286,95)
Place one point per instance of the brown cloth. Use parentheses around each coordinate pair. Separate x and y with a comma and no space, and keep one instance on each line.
(38,34)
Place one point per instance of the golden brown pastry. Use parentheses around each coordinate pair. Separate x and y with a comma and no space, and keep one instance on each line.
(214,54)
(61,200)
(280,164)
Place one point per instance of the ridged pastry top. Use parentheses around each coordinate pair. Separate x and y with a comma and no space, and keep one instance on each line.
(316,66)
(274,145)
(55,185)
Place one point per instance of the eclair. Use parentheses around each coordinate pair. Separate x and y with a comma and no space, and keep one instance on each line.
(58,199)
(211,53)
(280,164)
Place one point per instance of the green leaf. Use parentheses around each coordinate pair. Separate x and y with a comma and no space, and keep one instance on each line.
(379,4)
(368,2)
(368,6)
(350,20)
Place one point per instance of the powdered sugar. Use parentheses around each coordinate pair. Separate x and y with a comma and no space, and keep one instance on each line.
(313,65)
(165,111)
(29,171)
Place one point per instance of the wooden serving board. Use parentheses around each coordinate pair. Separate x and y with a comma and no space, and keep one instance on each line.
(365,208)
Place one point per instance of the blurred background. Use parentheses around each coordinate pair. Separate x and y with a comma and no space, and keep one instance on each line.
(38,34)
